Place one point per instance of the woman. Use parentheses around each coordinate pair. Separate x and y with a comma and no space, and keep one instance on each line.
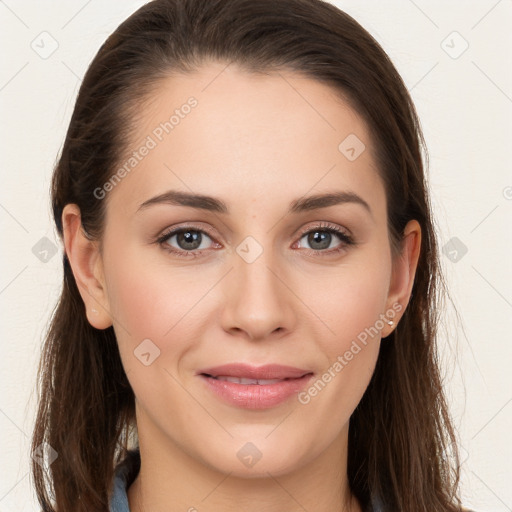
(251,279)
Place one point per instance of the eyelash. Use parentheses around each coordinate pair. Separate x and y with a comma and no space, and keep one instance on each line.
(346,239)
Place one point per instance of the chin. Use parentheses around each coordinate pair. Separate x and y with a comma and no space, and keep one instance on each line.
(256,458)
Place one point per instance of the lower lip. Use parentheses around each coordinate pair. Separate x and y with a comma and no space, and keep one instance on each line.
(256,396)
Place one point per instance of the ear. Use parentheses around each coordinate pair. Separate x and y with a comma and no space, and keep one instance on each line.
(85,260)
(404,271)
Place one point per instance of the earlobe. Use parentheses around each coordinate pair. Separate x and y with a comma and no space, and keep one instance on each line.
(404,270)
(85,260)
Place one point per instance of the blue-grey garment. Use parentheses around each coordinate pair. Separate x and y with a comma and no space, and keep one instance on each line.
(128,469)
(125,474)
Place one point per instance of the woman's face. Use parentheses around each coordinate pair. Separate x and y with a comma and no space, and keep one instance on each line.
(246,283)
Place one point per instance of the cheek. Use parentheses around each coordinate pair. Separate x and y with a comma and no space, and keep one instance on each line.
(137,301)
(348,300)
(149,300)
(352,312)
(350,304)
(147,293)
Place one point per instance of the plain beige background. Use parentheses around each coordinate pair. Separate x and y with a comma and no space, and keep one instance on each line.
(455,58)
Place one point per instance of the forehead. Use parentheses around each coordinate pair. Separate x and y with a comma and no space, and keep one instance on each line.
(222,130)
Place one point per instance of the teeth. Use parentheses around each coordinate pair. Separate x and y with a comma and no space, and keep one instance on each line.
(237,380)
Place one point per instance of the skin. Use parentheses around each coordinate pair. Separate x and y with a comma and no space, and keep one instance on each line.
(257,142)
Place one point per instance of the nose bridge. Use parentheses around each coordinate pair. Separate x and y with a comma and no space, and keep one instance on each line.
(257,301)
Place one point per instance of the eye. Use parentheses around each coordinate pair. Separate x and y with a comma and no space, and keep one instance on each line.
(321,237)
(189,241)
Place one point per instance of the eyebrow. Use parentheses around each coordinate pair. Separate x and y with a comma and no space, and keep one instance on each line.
(212,204)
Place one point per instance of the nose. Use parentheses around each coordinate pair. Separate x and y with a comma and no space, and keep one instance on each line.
(258,299)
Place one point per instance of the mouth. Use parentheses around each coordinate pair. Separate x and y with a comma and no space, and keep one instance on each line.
(250,387)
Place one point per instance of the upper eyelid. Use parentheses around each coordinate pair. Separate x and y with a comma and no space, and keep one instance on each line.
(172,231)
(324,225)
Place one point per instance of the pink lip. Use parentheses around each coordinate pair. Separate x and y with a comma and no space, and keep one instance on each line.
(255,396)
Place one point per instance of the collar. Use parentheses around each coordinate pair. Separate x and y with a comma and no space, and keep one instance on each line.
(125,474)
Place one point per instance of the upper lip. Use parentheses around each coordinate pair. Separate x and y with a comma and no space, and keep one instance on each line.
(243,370)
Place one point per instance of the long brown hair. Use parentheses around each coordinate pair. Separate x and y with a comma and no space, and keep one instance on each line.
(402,445)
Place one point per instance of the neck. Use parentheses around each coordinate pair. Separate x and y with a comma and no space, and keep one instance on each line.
(170,479)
